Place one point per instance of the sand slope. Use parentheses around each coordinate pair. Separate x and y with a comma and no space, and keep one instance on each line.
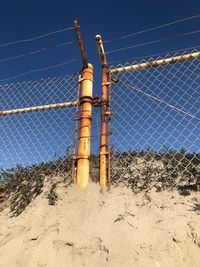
(116,228)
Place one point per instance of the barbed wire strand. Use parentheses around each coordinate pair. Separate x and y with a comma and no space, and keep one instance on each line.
(65,43)
(34,52)
(152,42)
(157,99)
(40,69)
(36,37)
(11,58)
(153,55)
(153,28)
(37,51)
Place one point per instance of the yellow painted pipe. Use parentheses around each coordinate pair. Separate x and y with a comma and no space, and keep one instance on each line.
(83,158)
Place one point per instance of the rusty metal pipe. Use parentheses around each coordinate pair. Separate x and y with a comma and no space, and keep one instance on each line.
(86,102)
(156,63)
(109,134)
(38,108)
(80,43)
(103,141)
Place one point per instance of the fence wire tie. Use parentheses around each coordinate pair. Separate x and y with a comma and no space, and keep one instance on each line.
(80,80)
(114,80)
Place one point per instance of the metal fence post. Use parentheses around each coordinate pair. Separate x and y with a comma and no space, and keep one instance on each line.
(86,102)
(104,114)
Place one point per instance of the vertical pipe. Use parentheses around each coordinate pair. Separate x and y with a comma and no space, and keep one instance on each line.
(109,133)
(103,144)
(86,102)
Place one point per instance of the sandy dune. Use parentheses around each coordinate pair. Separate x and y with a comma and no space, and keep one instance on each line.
(116,228)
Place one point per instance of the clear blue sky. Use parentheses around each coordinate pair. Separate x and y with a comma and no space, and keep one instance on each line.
(112,19)
(21,19)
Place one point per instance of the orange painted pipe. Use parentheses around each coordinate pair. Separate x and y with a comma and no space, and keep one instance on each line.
(103,141)
(86,101)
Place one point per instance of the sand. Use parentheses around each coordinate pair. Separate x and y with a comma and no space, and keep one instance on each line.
(115,228)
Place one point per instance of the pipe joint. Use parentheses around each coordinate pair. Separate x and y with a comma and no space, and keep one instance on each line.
(76,118)
(81,157)
(85,117)
(106,84)
(104,153)
(108,113)
(103,146)
(85,99)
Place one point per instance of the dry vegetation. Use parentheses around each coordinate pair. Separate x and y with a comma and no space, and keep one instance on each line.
(141,171)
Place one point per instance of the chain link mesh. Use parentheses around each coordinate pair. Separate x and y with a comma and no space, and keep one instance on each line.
(155,126)
(37,143)
(95,144)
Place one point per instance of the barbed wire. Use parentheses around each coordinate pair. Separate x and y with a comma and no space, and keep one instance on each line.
(152,42)
(157,54)
(36,37)
(152,28)
(11,58)
(34,52)
(157,99)
(65,43)
(37,51)
(39,69)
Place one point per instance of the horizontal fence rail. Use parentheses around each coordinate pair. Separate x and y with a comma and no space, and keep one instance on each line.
(156,63)
(38,108)
(155,125)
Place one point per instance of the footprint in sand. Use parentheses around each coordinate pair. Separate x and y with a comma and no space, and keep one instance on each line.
(58,244)
(12,233)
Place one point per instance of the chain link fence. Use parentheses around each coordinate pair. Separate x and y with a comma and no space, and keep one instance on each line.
(155,125)
(37,143)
